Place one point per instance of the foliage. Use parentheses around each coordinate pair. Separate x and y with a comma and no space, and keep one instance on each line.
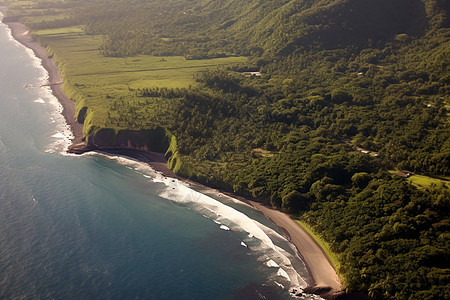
(323,244)
(348,89)
(393,238)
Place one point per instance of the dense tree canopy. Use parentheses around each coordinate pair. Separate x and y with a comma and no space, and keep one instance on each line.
(349,90)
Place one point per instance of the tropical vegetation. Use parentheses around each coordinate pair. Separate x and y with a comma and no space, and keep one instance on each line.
(319,108)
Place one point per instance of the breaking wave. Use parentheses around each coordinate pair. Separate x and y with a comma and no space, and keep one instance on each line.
(62,136)
(60,139)
(262,242)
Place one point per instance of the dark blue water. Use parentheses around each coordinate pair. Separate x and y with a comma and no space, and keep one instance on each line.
(93,227)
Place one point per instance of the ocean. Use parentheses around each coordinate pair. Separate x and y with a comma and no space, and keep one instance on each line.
(99,227)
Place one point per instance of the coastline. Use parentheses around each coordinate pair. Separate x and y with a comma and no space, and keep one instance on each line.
(20,33)
(324,280)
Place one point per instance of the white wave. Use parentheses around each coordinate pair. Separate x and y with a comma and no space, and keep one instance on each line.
(10,37)
(29,86)
(223,227)
(37,63)
(63,136)
(283,273)
(58,135)
(256,236)
(140,167)
(224,197)
(178,192)
(2,145)
(63,133)
(46,97)
(259,237)
(279,284)
(272,264)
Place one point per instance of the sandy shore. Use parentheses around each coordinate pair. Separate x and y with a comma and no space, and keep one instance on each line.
(20,32)
(322,272)
(323,277)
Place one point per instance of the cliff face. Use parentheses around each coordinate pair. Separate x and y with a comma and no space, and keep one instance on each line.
(149,140)
(156,140)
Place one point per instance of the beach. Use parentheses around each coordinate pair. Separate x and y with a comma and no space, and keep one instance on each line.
(20,32)
(318,264)
(322,272)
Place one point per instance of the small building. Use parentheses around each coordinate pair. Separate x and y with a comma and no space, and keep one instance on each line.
(258,74)
(405,173)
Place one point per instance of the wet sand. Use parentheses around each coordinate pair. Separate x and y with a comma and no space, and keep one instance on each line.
(324,279)
(318,264)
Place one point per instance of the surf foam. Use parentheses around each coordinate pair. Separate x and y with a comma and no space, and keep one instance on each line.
(39,100)
(223,227)
(256,237)
(61,144)
(271,264)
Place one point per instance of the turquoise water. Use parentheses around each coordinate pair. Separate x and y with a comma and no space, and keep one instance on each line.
(93,227)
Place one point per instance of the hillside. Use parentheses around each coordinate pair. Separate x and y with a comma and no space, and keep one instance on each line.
(350,92)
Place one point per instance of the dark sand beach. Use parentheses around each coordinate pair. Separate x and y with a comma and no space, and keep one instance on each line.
(322,272)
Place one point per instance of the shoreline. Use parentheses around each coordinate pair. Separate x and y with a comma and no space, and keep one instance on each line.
(323,280)
(20,33)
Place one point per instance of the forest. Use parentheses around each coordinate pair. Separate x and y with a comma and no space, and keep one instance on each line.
(351,96)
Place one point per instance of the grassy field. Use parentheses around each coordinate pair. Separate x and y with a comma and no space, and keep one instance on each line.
(422,181)
(324,245)
(98,81)
(82,63)
(27,8)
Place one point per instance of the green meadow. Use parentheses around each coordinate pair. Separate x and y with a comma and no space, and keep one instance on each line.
(423,181)
(96,81)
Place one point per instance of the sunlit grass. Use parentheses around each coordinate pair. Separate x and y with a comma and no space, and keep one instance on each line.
(98,80)
(422,181)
